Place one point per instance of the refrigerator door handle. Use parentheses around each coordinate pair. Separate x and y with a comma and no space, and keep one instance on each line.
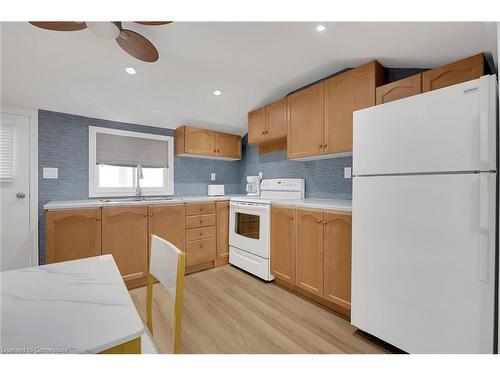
(484,226)
(485,127)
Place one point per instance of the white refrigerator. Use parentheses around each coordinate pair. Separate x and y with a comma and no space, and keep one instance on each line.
(424,220)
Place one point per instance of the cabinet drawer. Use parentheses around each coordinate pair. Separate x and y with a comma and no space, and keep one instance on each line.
(199,252)
(200,221)
(200,208)
(200,233)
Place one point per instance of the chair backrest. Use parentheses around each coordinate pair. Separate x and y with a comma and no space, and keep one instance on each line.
(167,264)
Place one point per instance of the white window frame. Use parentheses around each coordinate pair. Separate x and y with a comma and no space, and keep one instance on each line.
(95,191)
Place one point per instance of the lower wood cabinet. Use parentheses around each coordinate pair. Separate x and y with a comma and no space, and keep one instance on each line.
(201,240)
(72,234)
(311,254)
(310,251)
(166,222)
(125,236)
(222,213)
(283,244)
(337,259)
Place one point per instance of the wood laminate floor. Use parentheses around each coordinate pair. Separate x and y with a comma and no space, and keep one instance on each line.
(229,311)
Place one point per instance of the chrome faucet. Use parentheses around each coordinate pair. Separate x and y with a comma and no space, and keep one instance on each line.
(139,176)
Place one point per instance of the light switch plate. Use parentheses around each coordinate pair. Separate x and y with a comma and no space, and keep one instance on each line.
(51,173)
(347,172)
(212,176)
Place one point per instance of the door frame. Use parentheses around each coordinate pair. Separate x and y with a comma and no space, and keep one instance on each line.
(32,116)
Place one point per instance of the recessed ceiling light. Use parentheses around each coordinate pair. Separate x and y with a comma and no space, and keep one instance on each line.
(217,92)
(321,28)
(130,70)
(155,111)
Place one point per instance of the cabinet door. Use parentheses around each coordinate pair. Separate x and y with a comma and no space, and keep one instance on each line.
(305,122)
(222,209)
(168,223)
(451,74)
(228,145)
(310,251)
(199,141)
(257,126)
(337,246)
(400,89)
(344,94)
(73,234)
(125,236)
(283,243)
(275,121)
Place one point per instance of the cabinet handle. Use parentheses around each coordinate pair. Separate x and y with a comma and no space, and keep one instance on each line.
(320,146)
(98,218)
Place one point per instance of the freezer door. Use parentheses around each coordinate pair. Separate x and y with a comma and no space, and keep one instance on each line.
(450,129)
(423,261)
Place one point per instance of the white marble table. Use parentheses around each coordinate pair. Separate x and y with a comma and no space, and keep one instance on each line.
(81,306)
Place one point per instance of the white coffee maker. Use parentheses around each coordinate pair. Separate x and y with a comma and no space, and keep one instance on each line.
(253,186)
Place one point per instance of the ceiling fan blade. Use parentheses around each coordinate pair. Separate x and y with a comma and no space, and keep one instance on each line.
(153,23)
(60,26)
(137,46)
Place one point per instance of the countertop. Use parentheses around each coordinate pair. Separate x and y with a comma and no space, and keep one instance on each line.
(80,306)
(313,203)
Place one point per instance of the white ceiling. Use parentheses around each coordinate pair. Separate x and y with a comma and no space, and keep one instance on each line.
(251,63)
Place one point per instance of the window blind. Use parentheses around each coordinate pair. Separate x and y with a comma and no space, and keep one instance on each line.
(126,151)
(7,149)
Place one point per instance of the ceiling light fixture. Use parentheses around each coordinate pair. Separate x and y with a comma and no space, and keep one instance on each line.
(130,70)
(217,92)
(321,28)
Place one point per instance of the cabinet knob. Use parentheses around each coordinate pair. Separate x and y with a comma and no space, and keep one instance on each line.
(98,218)
(201,221)
(324,146)
(145,215)
(320,146)
(263,133)
(218,151)
(324,222)
(290,217)
(151,214)
(319,221)
(202,245)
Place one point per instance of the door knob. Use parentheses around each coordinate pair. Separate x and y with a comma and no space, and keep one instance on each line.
(20,195)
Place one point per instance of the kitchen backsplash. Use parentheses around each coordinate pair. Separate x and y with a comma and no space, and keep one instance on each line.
(324,178)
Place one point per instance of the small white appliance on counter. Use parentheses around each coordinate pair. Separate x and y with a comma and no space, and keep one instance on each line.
(214,190)
(250,225)
(424,220)
(253,186)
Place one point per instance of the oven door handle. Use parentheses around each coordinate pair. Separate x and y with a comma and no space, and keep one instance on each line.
(251,207)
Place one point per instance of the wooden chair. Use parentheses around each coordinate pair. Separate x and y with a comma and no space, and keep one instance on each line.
(167,264)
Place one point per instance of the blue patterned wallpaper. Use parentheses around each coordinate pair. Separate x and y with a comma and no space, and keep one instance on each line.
(324,178)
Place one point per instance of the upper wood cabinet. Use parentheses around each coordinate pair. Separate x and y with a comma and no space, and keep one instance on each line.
(344,94)
(205,143)
(305,122)
(72,234)
(283,244)
(451,74)
(337,257)
(257,126)
(310,266)
(222,213)
(319,118)
(267,125)
(125,236)
(167,222)
(400,89)
(276,121)
(228,145)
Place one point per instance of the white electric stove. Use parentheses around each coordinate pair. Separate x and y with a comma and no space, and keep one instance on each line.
(250,225)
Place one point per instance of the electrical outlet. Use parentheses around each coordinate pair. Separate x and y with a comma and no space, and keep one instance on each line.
(212,176)
(260,175)
(51,173)
(347,172)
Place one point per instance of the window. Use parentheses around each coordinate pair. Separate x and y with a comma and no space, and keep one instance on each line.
(7,149)
(114,156)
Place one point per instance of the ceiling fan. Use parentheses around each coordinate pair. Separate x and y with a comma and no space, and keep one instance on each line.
(131,42)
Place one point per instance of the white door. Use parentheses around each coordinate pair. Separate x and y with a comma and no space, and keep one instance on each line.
(423,261)
(15,232)
(450,129)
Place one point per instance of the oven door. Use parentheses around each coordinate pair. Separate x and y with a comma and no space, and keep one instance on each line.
(249,228)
